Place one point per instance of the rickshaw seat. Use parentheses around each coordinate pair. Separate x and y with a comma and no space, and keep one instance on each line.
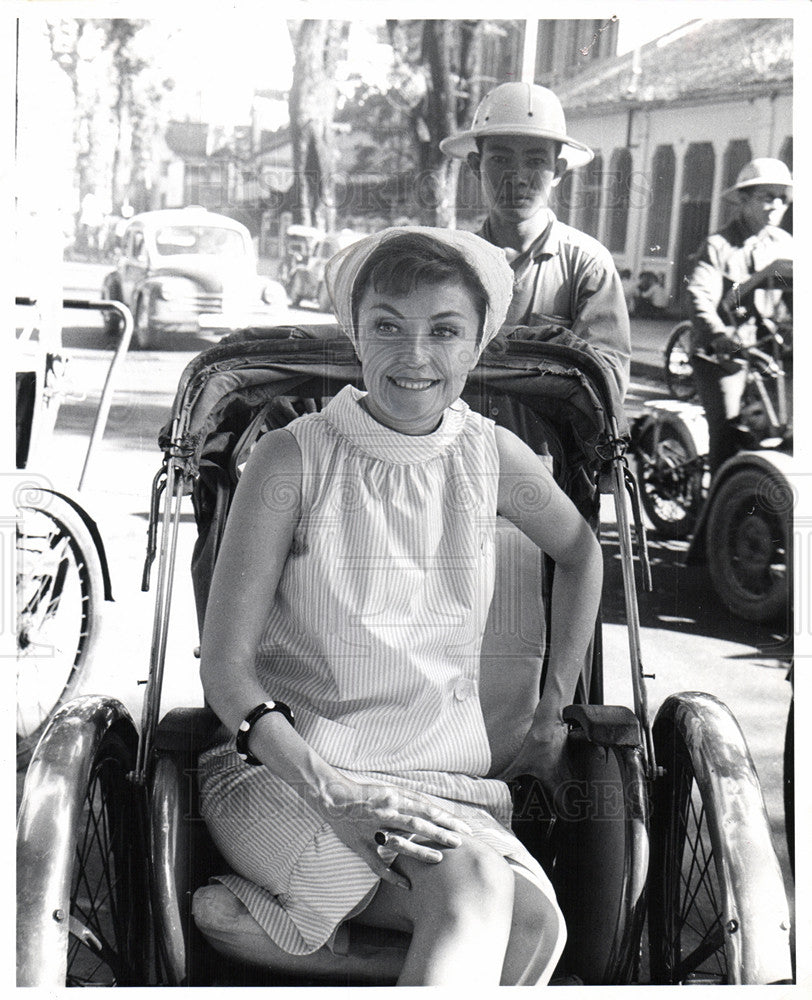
(513,648)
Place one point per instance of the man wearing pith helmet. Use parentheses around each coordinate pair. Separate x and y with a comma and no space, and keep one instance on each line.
(519,149)
(742,275)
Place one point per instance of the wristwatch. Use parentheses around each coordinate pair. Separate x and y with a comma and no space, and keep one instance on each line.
(248,723)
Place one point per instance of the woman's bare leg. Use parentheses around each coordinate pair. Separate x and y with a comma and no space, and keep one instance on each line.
(537,936)
(459,913)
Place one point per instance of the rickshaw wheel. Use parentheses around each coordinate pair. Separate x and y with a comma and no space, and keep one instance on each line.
(749,544)
(83,907)
(678,370)
(60,596)
(717,906)
(108,892)
(670,479)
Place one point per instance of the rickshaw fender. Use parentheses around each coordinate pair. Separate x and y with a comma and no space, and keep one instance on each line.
(778,463)
(723,768)
(95,534)
(52,800)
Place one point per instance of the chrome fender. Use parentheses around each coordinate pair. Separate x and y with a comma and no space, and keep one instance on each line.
(732,795)
(53,795)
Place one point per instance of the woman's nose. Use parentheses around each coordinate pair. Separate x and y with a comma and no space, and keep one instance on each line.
(416,348)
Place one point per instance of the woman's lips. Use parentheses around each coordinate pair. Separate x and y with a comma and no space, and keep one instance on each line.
(412,383)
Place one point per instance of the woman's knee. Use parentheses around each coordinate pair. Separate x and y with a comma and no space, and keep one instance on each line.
(471,880)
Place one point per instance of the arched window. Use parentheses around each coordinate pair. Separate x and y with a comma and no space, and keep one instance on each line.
(736,155)
(699,167)
(658,229)
(617,203)
(589,200)
(785,153)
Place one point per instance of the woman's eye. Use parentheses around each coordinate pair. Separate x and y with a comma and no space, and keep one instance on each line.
(386,328)
(445,331)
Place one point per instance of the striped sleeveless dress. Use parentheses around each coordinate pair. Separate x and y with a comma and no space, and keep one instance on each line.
(374,641)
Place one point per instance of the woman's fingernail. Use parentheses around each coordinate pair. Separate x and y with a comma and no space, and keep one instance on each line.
(403,883)
(453,841)
(436,856)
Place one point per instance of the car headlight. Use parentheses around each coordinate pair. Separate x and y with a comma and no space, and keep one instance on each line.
(176,288)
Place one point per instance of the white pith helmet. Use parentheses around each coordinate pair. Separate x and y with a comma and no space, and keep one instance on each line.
(763,170)
(519,109)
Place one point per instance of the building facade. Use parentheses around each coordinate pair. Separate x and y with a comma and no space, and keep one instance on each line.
(671,125)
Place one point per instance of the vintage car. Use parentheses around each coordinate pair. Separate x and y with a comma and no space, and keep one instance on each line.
(306,279)
(190,271)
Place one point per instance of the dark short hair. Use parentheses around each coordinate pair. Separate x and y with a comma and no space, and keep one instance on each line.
(402,263)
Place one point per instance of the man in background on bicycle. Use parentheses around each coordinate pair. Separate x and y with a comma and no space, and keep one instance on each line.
(742,275)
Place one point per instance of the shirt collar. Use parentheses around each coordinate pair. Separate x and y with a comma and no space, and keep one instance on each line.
(546,244)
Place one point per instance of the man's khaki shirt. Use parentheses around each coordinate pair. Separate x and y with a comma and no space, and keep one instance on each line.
(568,278)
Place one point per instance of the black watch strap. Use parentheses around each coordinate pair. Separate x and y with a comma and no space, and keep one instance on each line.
(248,723)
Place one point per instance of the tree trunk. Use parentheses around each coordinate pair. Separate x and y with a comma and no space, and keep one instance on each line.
(452,50)
(312,105)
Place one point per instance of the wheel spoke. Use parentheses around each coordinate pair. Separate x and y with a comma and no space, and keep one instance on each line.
(98,883)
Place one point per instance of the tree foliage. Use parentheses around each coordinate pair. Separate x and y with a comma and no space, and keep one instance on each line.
(119,94)
(435,83)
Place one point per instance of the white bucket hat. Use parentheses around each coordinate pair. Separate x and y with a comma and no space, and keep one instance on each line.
(519,109)
(764,170)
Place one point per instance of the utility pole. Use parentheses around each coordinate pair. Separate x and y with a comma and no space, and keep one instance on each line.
(531,34)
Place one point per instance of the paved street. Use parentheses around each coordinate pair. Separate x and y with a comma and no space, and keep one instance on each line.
(687,643)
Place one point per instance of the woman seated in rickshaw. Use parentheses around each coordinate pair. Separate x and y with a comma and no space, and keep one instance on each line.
(348,605)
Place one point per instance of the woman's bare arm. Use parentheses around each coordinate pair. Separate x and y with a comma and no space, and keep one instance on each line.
(530,498)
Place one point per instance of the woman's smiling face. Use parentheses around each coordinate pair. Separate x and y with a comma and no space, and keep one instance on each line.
(416,350)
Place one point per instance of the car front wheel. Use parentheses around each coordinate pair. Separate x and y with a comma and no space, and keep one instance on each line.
(143,331)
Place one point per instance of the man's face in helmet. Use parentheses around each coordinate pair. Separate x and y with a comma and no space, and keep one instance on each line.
(517,173)
(763,205)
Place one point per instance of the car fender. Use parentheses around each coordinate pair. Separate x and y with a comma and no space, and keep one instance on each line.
(779,463)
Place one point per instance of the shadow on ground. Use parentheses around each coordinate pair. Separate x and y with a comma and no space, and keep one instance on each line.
(683,600)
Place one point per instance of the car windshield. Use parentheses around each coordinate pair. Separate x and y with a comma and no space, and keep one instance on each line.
(173,240)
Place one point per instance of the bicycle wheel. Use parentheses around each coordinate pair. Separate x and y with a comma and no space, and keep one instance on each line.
(60,595)
(678,370)
(749,554)
(83,907)
(669,474)
(717,906)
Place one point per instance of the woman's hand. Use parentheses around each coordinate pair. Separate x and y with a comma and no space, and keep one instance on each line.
(416,827)
(543,755)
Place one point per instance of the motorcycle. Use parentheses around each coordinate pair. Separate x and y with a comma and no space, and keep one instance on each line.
(739,521)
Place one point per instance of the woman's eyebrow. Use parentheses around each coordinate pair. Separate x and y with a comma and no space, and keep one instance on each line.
(391,309)
(387,307)
(449,312)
